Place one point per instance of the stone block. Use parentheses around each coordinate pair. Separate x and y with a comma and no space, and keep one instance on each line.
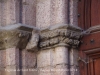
(29,71)
(61,55)
(52,57)
(12,56)
(61,12)
(12,70)
(28,59)
(62,69)
(44,58)
(43,13)
(73,57)
(45,70)
(32,71)
(2,58)
(73,12)
(74,70)
(2,71)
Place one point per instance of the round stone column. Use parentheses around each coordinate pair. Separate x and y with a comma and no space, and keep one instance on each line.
(62,62)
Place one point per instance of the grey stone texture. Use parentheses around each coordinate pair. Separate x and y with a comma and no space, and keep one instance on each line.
(15,35)
(50,48)
(73,15)
(51,12)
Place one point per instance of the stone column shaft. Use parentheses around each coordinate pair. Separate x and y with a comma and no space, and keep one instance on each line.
(62,12)
(74,66)
(29,12)
(9,12)
(51,12)
(62,61)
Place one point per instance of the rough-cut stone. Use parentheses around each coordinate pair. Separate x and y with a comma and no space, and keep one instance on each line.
(54,39)
(51,12)
(62,12)
(61,55)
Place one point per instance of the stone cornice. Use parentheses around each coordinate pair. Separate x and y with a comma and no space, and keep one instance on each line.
(16,35)
(60,35)
(31,38)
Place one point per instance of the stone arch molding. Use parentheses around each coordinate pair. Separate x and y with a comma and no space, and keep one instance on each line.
(33,39)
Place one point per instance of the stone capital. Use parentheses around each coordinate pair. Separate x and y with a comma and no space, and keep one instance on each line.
(60,35)
(16,35)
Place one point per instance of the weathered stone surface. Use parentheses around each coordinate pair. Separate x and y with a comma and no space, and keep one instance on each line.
(2,71)
(33,42)
(45,70)
(61,11)
(12,70)
(9,12)
(44,58)
(28,59)
(60,35)
(2,58)
(73,56)
(43,13)
(29,71)
(14,36)
(12,57)
(61,55)
(62,70)
(51,12)
(73,6)
(29,12)
(74,70)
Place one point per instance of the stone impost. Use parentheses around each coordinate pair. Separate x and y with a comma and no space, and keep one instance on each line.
(60,35)
(14,36)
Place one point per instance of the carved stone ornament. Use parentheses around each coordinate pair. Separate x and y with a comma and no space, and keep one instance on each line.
(60,35)
(16,35)
(30,38)
(34,40)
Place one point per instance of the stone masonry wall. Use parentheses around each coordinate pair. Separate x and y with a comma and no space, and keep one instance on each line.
(42,14)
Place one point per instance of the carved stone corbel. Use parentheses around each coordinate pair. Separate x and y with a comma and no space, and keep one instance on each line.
(65,35)
(16,35)
(34,40)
